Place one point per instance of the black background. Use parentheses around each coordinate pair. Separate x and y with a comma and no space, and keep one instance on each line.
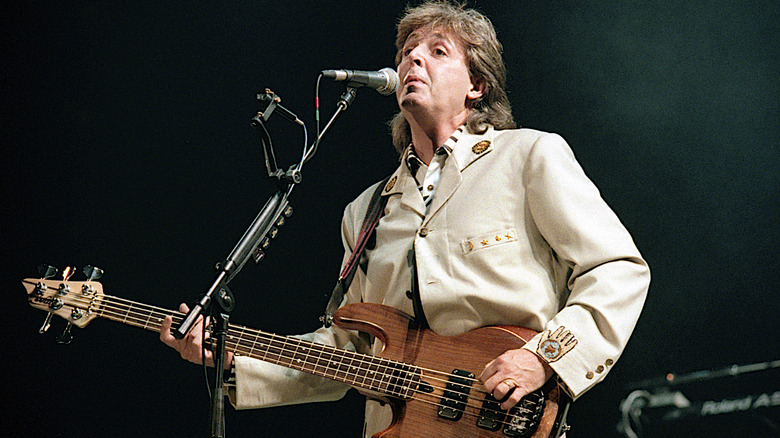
(127,145)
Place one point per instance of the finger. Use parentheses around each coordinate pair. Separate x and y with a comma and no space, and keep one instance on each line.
(514,397)
(165,332)
(503,388)
(490,370)
(191,349)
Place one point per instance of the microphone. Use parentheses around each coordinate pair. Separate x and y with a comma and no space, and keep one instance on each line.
(384,81)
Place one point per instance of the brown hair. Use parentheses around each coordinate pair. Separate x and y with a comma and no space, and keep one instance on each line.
(483,54)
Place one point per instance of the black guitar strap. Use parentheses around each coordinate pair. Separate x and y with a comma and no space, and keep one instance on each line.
(376,208)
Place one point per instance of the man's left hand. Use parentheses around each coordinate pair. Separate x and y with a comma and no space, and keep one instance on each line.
(515,374)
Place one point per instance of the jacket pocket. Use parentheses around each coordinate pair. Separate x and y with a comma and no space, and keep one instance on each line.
(488,240)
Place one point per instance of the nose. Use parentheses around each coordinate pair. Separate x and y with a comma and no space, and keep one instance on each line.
(416,56)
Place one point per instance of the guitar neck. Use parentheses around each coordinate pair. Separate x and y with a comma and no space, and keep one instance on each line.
(362,371)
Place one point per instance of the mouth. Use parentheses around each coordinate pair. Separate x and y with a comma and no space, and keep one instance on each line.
(413,79)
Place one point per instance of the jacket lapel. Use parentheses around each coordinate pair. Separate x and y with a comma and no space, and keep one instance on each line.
(401,182)
(470,147)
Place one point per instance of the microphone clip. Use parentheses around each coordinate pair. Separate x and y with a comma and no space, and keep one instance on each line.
(293,174)
(274,103)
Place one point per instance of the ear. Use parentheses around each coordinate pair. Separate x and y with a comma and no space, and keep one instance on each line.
(478,88)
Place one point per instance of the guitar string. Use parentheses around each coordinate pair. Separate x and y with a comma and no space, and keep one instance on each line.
(287,359)
(259,334)
(393,365)
(272,337)
(281,357)
(126,315)
(155,321)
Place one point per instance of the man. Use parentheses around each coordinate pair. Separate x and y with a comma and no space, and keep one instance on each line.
(484,225)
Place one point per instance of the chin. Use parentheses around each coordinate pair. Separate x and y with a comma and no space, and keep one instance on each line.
(410,101)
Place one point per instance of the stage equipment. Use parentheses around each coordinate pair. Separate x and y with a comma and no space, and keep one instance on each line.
(735,402)
(218,300)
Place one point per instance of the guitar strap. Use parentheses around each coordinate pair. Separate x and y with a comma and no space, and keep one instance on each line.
(376,208)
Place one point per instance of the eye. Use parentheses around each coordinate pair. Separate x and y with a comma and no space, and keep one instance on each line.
(439,52)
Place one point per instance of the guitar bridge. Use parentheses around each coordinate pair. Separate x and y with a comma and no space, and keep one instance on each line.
(524,418)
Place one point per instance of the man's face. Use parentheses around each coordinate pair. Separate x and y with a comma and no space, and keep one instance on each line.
(434,75)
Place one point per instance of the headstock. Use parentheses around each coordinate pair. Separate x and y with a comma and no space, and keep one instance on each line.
(75,301)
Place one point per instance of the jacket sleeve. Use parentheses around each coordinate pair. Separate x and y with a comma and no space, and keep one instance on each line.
(607,279)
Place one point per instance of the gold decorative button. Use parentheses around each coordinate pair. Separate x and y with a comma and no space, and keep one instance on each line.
(589,375)
(609,362)
(391,183)
(430,187)
(423,232)
(480,147)
(600,369)
(498,238)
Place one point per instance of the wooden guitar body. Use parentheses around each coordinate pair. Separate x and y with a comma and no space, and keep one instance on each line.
(437,356)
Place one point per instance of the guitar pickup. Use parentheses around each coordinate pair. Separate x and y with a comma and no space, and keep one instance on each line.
(455,395)
(491,416)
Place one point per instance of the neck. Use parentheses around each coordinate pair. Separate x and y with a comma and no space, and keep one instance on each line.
(427,137)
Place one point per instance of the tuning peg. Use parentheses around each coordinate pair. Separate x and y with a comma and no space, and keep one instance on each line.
(92,272)
(68,272)
(66,337)
(258,255)
(47,271)
(46,324)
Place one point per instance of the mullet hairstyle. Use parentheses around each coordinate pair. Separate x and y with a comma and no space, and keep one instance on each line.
(483,53)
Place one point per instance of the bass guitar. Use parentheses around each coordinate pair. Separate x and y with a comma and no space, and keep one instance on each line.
(428,379)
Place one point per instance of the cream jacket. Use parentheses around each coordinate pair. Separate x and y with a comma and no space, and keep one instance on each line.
(516,234)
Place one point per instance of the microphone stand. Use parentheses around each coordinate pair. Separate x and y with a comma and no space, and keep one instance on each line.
(251,245)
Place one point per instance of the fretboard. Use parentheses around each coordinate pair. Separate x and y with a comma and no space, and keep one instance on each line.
(362,371)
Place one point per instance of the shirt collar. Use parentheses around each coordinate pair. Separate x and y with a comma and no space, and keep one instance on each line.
(413,161)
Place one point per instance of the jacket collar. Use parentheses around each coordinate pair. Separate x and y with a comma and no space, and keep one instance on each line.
(469,148)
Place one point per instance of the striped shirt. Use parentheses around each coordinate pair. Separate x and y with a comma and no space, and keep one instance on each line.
(427,176)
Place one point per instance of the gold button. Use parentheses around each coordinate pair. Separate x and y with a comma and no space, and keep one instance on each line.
(609,362)
(423,232)
(390,184)
(480,147)
(430,187)
(589,375)
(600,369)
